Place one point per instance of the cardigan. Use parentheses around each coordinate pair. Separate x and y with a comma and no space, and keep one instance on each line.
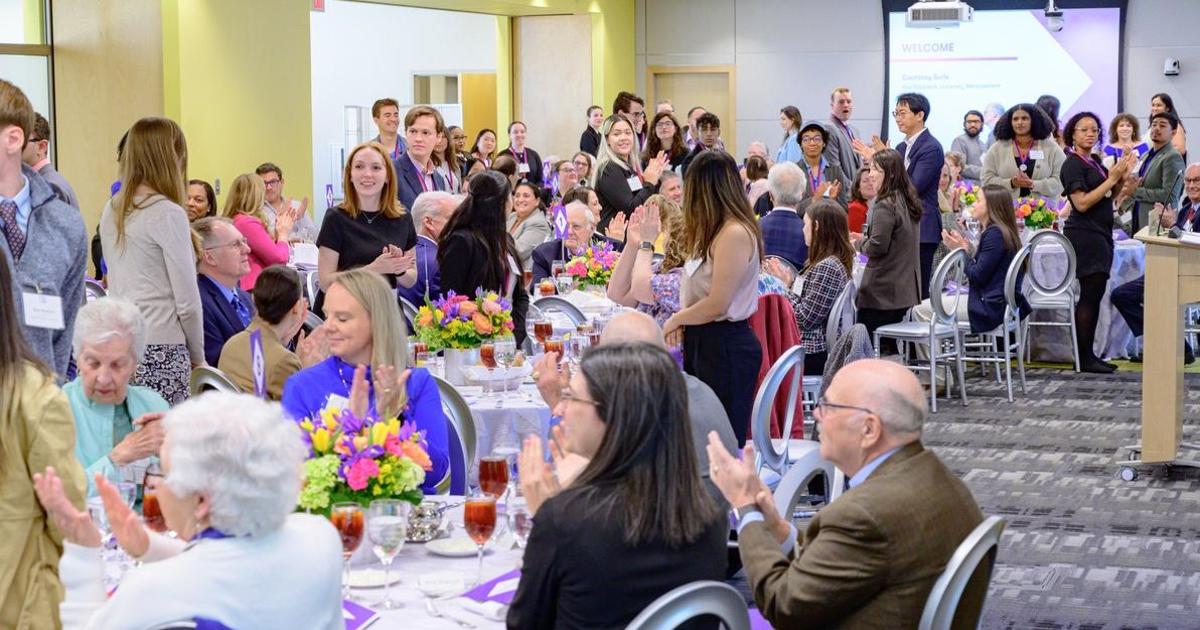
(532,231)
(461,259)
(1000,166)
(94,425)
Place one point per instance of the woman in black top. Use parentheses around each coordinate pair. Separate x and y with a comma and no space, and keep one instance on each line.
(477,252)
(529,163)
(589,140)
(1090,189)
(618,186)
(369,229)
(665,136)
(637,521)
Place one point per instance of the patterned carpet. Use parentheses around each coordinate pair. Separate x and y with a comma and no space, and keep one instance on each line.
(1082,548)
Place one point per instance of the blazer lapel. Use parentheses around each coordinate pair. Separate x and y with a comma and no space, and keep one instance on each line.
(227,311)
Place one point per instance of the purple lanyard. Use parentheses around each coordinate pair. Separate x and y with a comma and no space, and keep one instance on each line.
(1087,159)
(521,157)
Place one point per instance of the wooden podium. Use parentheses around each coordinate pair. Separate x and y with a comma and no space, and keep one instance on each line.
(1172,282)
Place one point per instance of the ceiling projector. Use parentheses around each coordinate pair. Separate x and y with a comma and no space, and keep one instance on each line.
(938,14)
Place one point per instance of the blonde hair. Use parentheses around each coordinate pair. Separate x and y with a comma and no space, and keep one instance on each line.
(388,203)
(671,216)
(155,156)
(389,333)
(246,196)
(605,154)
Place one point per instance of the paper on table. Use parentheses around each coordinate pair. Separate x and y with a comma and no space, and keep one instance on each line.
(304,255)
(498,589)
(357,616)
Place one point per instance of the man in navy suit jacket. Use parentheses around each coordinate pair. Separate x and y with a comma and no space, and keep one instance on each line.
(224,259)
(923,158)
(581,231)
(783,227)
(414,169)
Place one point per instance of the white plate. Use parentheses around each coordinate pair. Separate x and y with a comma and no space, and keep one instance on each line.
(372,578)
(456,547)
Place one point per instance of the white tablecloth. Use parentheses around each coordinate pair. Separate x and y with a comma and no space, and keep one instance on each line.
(1113,337)
(504,420)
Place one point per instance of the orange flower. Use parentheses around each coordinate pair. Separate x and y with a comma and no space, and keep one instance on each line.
(425,318)
(416,454)
(483,325)
(467,309)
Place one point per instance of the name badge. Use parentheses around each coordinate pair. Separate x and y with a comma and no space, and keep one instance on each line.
(43,310)
(1037,154)
(522,168)
(337,403)
(635,183)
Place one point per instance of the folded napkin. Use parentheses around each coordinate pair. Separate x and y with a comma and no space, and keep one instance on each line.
(494,611)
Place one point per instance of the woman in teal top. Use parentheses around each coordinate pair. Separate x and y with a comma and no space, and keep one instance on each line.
(116,424)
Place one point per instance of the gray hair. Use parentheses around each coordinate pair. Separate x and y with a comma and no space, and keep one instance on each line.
(899,414)
(587,212)
(427,202)
(108,318)
(667,174)
(758,143)
(243,453)
(206,229)
(785,182)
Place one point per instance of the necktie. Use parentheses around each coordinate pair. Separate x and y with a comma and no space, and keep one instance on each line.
(1186,214)
(239,307)
(12,231)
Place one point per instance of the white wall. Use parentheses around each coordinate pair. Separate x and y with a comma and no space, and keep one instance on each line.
(362,52)
(794,52)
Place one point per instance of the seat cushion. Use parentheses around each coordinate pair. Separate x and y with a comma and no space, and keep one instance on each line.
(913,330)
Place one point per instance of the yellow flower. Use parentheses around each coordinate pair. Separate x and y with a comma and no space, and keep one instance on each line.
(360,443)
(320,440)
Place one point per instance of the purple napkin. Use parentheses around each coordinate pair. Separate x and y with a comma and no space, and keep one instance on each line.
(758,622)
(356,615)
(952,288)
(481,593)
(1120,235)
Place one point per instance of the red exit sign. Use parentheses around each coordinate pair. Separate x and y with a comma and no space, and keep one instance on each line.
(318,5)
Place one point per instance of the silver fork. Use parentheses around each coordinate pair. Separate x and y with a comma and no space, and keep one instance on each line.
(433,611)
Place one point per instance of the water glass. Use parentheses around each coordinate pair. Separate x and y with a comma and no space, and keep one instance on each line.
(387,527)
(556,268)
(506,353)
(564,284)
(520,520)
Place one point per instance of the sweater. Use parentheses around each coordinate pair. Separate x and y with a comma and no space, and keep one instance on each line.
(94,426)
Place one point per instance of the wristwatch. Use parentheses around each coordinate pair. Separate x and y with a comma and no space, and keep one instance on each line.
(647,245)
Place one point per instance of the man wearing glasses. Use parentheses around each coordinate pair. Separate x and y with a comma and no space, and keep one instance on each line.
(870,558)
(224,259)
(633,108)
(304,229)
(37,156)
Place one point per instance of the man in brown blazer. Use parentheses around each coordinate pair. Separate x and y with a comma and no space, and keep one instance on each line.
(870,558)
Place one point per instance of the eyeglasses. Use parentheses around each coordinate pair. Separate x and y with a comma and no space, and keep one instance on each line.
(569,397)
(824,406)
(900,113)
(811,139)
(241,242)
(1191,180)
(271,183)
(664,124)
(637,114)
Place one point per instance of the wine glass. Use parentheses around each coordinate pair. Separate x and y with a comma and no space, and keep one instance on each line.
(556,268)
(493,475)
(579,344)
(506,353)
(479,519)
(387,526)
(487,356)
(520,520)
(554,344)
(348,519)
(151,512)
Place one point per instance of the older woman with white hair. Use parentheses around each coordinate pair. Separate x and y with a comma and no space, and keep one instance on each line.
(232,476)
(116,424)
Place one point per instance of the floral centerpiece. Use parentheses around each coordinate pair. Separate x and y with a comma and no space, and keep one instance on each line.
(593,267)
(459,322)
(968,194)
(361,459)
(1036,213)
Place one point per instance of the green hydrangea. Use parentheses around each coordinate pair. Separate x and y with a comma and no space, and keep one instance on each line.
(399,476)
(320,476)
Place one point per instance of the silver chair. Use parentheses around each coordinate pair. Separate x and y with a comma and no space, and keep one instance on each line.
(182,624)
(942,604)
(206,377)
(409,310)
(462,426)
(93,290)
(689,601)
(555,304)
(940,331)
(1009,336)
(1060,297)
(842,317)
(311,285)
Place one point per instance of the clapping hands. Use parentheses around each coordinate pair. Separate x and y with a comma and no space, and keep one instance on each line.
(393,260)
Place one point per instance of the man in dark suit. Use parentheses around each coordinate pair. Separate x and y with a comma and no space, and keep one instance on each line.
(224,259)
(581,231)
(414,169)
(923,158)
(430,213)
(783,226)
(870,558)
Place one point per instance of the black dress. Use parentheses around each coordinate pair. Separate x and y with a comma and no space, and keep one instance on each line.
(1090,232)
(359,241)
(461,261)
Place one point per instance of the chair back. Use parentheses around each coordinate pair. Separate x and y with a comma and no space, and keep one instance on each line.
(311,282)
(207,377)
(1011,288)
(683,603)
(93,290)
(790,362)
(952,267)
(947,592)
(842,316)
(312,321)
(1066,285)
(410,313)
(555,304)
(462,442)
(786,264)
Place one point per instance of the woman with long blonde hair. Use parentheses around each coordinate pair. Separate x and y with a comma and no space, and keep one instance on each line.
(638,280)
(148,247)
(368,342)
(245,207)
(719,291)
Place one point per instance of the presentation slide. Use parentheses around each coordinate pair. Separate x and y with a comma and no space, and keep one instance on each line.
(1004,58)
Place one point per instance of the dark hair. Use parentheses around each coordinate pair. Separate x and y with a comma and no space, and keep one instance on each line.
(275,293)
(41,128)
(831,234)
(421,111)
(1069,129)
(268,167)
(505,164)
(644,472)
(1000,213)
(917,103)
(973,112)
(592,109)
(654,145)
(856,185)
(1050,105)
(381,103)
(713,196)
(1170,117)
(208,192)
(481,220)
(1040,126)
(515,123)
(793,114)
(537,193)
(479,136)
(578,193)
(624,100)
(708,119)
(470,164)
(14,350)
(756,168)
(1166,99)
(1116,120)
(896,187)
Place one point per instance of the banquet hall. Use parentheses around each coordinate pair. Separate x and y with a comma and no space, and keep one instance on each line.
(599,314)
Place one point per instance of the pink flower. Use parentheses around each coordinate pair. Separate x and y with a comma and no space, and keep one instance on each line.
(392,446)
(492,307)
(361,472)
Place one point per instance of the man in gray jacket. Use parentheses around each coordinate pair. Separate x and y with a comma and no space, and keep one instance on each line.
(42,237)
(37,156)
(971,147)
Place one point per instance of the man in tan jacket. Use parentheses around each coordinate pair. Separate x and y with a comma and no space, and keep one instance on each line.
(870,558)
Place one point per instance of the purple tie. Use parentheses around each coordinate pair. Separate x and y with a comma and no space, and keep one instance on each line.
(12,231)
